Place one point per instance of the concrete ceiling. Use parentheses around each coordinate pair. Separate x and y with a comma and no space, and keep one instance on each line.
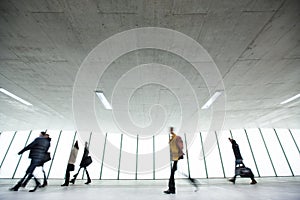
(253,46)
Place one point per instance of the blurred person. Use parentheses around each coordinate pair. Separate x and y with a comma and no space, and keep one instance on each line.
(71,162)
(240,168)
(176,153)
(85,162)
(38,148)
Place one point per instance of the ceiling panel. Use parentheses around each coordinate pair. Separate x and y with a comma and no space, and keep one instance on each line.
(253,44)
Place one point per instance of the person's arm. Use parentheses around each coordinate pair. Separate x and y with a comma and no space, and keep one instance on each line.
(28,147)
(179,143)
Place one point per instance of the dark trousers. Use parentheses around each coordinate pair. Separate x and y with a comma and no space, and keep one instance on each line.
(85,170)
(70,168)
(67,178)
(33,164)
(172,180)
(29,172)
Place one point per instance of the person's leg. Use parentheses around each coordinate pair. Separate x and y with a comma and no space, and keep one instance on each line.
(171,184)
(45,183)
(237,162)
(29,172)
(233,179)
(37,184)
(194,183)
(19,184)
(67,178)
(75,176)
(253,181)
(88,176)
(29,176)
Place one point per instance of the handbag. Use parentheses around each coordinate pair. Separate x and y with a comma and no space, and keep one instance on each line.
(70,167)
(243,171)
(86,161)
(47,157)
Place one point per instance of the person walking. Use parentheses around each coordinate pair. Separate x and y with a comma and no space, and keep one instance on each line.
(176,153)
(71,162)
(85,162)
(239,162)
(38,148)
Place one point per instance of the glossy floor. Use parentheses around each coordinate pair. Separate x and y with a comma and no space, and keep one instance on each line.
(215,189)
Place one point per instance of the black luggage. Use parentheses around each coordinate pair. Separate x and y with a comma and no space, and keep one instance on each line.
(243,171)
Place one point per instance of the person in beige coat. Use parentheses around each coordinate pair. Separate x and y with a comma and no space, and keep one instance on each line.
(71,162)
(176,153)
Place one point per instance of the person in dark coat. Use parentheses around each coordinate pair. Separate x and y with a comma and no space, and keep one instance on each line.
(84,165)
(238,160)
(38,148)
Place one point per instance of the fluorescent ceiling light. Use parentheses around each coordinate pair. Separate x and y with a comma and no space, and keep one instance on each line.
(291,99)
(15,97)
(103,100)
(212,99)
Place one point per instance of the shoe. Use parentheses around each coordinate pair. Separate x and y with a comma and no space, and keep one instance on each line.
(169,192)
(36,186)
(72,181)
(65,184)
(16,187)
(88,182)
(232,180)
(44,184)
(194,183)
(253,182)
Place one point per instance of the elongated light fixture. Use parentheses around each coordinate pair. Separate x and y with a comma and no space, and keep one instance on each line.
(291,99)
(4,91)
(103,100)
(212,99)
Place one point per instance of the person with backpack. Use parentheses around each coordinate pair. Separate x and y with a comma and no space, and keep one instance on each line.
(176,153)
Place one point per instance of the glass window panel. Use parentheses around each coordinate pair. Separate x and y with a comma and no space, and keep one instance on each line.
(128,157)
(227,153)
(5,139)
(290,149)
(240,137)
(296,135)
(197,167)
(213,162)
(111,158)
(12,157)
(25,161)
(260,153)
(96,152)
(162,157)
(62,154)
(276,153)
(145,158)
